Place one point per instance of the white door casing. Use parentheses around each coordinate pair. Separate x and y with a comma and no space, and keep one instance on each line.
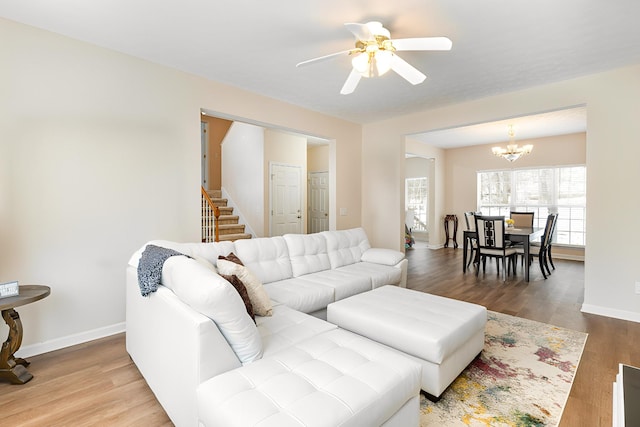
(286,198)
(318,202)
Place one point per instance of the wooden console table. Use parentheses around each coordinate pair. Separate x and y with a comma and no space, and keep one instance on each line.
(11,368)
(453,218)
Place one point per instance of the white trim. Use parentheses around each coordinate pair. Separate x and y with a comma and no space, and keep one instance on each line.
(237,211)
(631,316)
(68,341)
(567,257)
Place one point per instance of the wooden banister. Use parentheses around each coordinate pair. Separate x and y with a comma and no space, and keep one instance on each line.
(207,207)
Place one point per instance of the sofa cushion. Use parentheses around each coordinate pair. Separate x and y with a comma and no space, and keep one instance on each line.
(258,296)
(308,253)
(266,257)
(378,274)
(336,378)
(344,283)
(346,246)
(301,294)
(214,297)
(287,327)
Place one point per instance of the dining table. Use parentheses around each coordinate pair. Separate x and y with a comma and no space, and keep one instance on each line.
(524,235)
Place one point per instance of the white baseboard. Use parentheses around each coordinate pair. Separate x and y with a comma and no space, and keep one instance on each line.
(631,316)
(568,257)
(68,341)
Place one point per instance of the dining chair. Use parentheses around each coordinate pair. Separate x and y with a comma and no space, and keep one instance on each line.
(522,219)
(544,246)
(491,243)
(470,219)
(553,231)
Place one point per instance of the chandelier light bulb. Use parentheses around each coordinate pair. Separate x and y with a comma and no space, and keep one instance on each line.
(512,152)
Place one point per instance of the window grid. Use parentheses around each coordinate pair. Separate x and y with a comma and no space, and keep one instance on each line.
(543,191)
(417,199)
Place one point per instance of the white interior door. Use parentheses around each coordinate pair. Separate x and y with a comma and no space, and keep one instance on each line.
(318,201)
(286,197)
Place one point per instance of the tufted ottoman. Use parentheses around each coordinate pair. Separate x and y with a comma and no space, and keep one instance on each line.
(335,378)
(444,335)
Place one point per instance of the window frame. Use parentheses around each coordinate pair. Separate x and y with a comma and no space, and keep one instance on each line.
(572,219)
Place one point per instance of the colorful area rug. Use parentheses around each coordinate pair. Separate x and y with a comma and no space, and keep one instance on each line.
(522,378)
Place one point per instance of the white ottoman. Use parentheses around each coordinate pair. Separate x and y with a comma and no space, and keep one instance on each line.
(443,334)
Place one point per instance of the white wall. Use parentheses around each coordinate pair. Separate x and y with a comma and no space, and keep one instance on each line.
(613,130)
(243,176)
(99,153)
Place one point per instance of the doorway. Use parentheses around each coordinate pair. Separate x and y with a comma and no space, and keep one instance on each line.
(318,195)
(286,199)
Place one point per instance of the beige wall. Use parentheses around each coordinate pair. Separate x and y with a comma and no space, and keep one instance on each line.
(100,153)
(318,158)
(612,100)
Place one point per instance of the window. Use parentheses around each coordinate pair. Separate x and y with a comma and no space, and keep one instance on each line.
(543,191)
(416,199)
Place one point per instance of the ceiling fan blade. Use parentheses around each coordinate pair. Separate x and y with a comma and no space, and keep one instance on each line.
(360,31)
(406,70)
(423,43)
(323,58)
(351,83)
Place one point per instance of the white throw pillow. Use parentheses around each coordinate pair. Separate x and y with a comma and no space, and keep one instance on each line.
(211,295)
(382,256)
(258,296)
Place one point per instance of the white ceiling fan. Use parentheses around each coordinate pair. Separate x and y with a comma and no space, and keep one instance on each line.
(374,54)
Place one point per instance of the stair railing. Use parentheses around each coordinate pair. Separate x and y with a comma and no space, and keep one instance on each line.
(210,218)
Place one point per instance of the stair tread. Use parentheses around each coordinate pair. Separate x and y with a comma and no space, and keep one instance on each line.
(237,236)
(228,226)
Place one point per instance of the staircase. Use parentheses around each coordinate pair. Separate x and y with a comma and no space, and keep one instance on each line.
(229,228)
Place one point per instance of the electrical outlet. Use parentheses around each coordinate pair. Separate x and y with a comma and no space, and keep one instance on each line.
(638,288)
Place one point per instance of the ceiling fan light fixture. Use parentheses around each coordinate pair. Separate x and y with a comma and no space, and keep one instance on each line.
(372,64)
(375,54)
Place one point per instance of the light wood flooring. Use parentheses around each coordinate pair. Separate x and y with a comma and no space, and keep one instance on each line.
(96,384)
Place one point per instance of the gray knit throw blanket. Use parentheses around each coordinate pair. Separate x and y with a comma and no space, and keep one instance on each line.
(150,267)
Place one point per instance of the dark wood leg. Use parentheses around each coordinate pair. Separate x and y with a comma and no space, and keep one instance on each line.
(11,368)
(549,257)
(542,261)
(446,231)
(455,232)
(465,246)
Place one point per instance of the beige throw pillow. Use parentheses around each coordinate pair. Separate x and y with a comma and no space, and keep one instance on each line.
(258,296)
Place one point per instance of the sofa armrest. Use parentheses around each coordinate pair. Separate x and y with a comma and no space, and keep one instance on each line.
(174,347)
(382,256)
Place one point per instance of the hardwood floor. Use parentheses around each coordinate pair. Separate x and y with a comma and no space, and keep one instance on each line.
(97,384)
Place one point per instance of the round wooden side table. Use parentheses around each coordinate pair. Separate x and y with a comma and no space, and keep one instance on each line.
(11,368)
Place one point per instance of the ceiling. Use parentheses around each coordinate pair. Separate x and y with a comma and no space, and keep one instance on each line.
(498,45)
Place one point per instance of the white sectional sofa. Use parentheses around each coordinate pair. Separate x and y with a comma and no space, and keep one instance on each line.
(209,364)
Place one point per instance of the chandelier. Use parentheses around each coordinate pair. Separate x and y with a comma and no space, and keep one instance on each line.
(512,152)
